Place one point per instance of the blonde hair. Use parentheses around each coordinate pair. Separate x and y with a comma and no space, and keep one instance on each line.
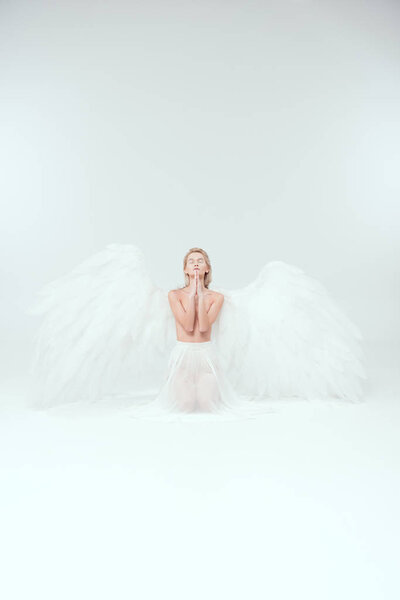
(207,276)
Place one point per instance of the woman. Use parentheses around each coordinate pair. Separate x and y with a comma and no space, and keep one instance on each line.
(195,381)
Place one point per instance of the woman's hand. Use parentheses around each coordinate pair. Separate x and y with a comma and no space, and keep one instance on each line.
(201,290)
(198,287)
(193,290)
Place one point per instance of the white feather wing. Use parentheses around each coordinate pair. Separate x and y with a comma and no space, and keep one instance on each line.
(284,336)
(105,325)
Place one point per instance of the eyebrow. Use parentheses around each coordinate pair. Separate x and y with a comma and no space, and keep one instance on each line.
(191,258)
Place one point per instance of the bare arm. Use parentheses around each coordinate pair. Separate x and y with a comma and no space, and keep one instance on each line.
(184,317)
(206,319)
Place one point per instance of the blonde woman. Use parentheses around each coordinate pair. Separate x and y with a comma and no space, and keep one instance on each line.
(194,374)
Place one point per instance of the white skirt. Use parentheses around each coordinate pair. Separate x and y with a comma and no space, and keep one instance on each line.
(195,387)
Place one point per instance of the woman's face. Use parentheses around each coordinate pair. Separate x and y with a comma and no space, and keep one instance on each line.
(196,262)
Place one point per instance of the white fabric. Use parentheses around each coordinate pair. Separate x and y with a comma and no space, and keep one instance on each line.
(107,330)
(195,385)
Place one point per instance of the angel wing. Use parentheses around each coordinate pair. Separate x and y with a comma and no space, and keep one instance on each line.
(105,325)
(283,336)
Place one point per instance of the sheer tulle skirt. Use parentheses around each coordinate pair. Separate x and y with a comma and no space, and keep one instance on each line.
(196,387)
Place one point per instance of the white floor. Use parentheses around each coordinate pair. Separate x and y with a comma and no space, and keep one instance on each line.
(303,503)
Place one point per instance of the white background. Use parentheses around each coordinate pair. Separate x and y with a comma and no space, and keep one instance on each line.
(260,130)
(256,130)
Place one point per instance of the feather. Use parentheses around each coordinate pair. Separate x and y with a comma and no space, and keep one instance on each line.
(103,322)
(283,335)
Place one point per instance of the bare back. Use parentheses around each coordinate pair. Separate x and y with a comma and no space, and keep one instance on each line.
(179,301)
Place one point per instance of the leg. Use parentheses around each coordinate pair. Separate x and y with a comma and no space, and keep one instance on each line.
(208,394)
(183,391)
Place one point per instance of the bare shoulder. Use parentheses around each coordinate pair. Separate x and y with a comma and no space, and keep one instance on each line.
(218,296)
(176,294)
(214,295)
